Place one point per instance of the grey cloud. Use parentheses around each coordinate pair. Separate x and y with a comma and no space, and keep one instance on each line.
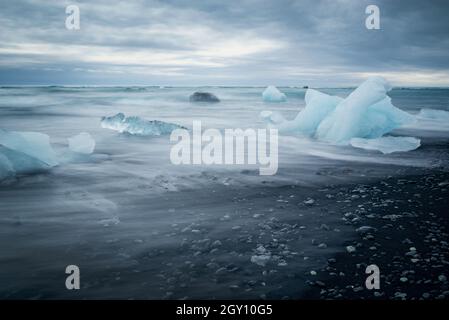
(223,42)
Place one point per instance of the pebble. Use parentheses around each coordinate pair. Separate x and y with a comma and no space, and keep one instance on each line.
(309,201)
(350,249)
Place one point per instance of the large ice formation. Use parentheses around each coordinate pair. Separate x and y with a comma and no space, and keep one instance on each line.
(138,126)
(82,143)
(25,152)
(318,106)
(366,113)
(387,144)
(272,94)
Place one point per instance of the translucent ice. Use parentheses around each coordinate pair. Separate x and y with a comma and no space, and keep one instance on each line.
(82,143)
(34,144)
(138,126)
(387,144)
(24,152)
(272,94)
(366,113)
(318,106)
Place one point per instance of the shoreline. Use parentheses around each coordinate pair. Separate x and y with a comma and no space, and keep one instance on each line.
(405,234)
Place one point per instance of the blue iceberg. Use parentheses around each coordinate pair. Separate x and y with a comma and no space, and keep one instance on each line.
(366,113)
(272,94)
(138,126)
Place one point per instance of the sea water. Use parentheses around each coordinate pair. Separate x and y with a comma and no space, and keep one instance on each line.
(126,209)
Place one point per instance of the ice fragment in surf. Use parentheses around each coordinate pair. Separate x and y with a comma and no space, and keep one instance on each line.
(82,143)
(272,94)
(138,126)
(25,152)
(387,144)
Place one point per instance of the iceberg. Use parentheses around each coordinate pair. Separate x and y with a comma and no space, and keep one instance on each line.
(318,106)
(272,94)
(366,113)
(82,143)
(138,126)
(387,144)
(25,152)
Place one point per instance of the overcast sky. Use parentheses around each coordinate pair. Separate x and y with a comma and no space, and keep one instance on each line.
(208,42)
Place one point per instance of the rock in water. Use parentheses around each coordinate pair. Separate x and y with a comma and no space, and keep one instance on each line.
(272,94)
(203,97)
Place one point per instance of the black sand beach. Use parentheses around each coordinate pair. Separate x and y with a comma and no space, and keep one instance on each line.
(402,226)
(283,242)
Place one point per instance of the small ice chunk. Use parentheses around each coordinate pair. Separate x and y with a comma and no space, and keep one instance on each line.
(387,144)
(82,143)
(114,122)
(272,118)
(272,94)
(25,152)
(138,126)
(34,144)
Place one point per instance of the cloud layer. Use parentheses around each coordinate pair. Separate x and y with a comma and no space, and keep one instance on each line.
(245,42)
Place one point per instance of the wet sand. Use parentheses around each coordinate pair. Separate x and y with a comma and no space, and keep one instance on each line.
(227,242)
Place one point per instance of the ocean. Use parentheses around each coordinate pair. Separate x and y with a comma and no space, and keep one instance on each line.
(140,227)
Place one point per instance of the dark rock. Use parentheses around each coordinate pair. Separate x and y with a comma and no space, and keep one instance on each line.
(203,97)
